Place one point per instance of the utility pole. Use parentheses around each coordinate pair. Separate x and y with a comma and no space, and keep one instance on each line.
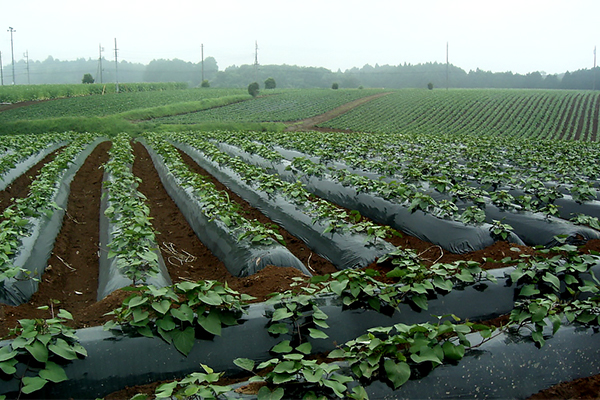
(99,72)
(202,60)
(255,61)
(447,66)
(116,68)
(594,71)
(1,70)
(12,51)
(26,55)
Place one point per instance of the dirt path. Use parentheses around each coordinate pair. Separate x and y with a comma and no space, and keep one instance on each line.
(310,123)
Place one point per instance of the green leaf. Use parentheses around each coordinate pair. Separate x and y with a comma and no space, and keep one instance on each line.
(289,367)
(426,354)
(65,314)
(552,279)
(165,390)
(212,298)
(421,301)
(528,290)
(317,333)
(183,340)
(397,373)
(6,353)
(32,383)
(337,387)
(453,352)
(63,349)
(244,363)
(183,313)
(338,287)
(53,373)
(38,351)
(359,393)
(264,393)
(211,322)
(312,376)
(277,329)
(304,348)
(161,307)
(281,313)
(8,367)
(282,347)
(136,301)
(166,323)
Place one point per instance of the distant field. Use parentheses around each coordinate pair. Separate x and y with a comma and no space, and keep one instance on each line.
(538,114)
(112,103)
(549,114)
(292,105)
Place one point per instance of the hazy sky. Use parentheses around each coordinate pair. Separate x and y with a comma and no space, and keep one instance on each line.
(508,35)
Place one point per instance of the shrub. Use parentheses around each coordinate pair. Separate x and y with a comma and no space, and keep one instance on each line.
(270,83)
(87,78)
(253,89)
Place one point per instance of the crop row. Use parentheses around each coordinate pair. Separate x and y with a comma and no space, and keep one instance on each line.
(19,219)
(513,113)
(18,93)
(487,161)
(289,105)
(456,192)
(132,239)
(18,148)
(333,218)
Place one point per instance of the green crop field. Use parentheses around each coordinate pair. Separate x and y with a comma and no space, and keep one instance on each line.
(406,234)
(290,105)
(111,103)
(516,113)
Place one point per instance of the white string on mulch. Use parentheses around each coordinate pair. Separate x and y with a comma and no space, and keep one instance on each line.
(180,256)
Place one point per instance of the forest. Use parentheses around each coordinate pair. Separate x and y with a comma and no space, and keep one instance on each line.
(440,75)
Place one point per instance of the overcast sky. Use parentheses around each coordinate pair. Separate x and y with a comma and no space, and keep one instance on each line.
(508,35)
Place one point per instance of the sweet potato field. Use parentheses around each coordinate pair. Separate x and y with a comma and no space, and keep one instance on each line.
(283,264)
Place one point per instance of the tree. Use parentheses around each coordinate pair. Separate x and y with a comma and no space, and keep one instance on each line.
(335,85)
(205,83)
(87,78)
(253,89)
(270,83)
(430,86)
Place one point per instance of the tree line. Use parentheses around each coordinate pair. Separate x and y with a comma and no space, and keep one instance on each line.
(436,75)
